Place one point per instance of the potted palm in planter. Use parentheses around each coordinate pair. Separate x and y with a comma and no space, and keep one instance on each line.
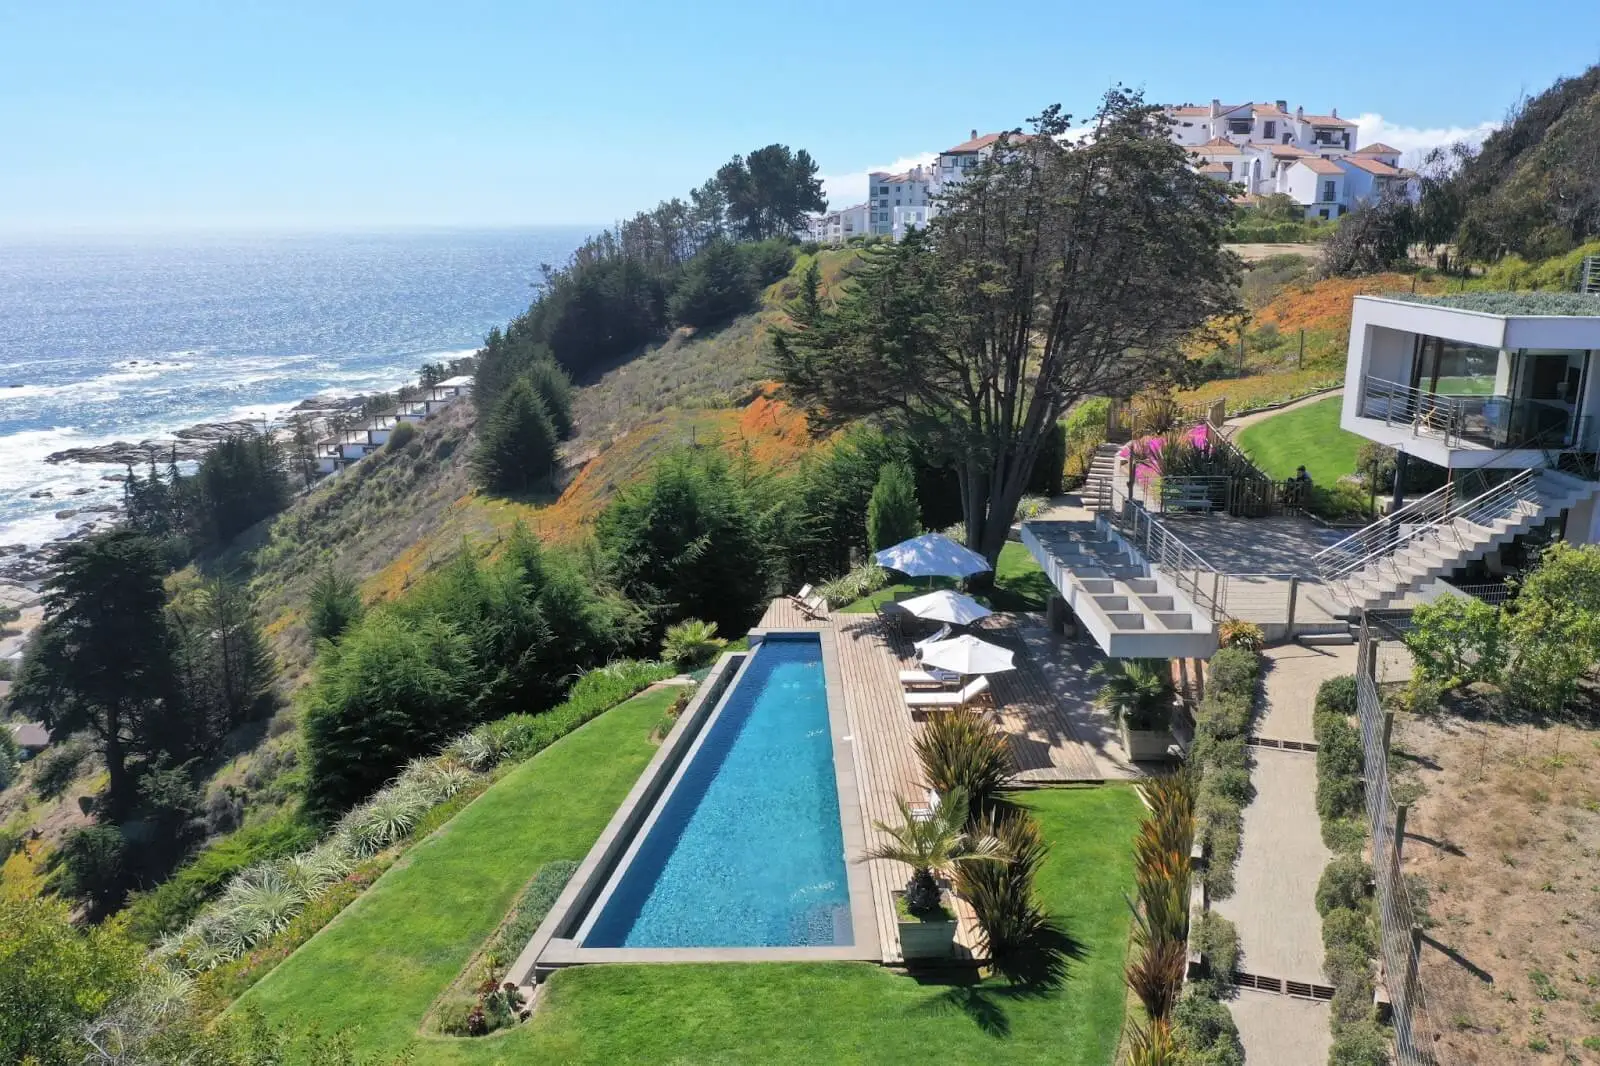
(1139,693)
(933,846)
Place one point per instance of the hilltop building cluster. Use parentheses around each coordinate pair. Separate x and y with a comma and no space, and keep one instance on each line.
(1263,148)
(347,446)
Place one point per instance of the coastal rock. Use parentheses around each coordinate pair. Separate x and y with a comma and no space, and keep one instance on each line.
(93,508)
(84,491)
(41,494)
(186,445)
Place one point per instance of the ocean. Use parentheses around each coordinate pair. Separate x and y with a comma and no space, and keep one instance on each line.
(129,338)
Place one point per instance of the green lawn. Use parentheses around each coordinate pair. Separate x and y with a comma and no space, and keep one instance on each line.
(1019,585)
(377,968)
(1309,435)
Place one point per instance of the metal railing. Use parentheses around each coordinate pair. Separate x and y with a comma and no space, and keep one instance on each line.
(1424,412)
(1442,517)
(1204,584)
(1400,930)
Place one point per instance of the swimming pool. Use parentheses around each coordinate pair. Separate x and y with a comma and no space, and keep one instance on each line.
(746,848)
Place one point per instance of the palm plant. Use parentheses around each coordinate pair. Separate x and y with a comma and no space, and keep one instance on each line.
(691,643)
(1137,691)
(937,845)
(962,751)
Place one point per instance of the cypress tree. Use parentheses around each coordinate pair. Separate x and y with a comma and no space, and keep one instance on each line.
(555,389)
(517,444)
(892,512)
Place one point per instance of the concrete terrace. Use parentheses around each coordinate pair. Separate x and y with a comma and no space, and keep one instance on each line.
(1055,734)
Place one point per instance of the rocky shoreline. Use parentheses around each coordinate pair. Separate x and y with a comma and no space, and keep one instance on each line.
(27,568)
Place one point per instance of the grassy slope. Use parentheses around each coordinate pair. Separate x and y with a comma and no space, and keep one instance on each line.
(380,965)
(382,962)
(1309,435)
(1019,585)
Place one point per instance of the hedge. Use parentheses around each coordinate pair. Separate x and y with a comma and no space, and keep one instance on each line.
(1222,724)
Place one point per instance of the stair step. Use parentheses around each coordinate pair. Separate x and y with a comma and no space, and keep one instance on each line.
(1318,640)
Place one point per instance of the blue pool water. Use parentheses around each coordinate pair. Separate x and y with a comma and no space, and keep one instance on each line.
(748,850)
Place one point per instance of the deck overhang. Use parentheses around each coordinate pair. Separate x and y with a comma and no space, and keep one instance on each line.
(1130,609)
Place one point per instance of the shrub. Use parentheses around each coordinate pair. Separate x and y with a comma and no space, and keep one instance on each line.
(402,434)
(455,1014)
(1339,766)
(92,866)
(9,759)
(335,604)
(1137,691)
(1204,1029)
(1343,884)
(1231,785)
(1344,835)
(153,914)
(1359,1044)
(1237,633)
(862,581)
(55,769)
(516,443)
(892,513)
(1344,927)
(962,750)
(1234,671)
(530,910)
(1456,640)
(691,644)
(1337,695)
(1222,846)
(1218,940)
(1223,716)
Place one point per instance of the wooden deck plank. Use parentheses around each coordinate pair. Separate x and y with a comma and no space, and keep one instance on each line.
(884,734)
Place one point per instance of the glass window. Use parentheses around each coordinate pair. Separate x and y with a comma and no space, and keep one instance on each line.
(1270,130)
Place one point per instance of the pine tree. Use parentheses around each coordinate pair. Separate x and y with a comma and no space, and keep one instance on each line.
(553,387)
(335,605)
(517,444)
(892,512)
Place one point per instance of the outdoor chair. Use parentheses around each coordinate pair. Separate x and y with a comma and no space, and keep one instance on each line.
(810,603)
(937,635)
(923,812)
(894,617)
(935,678)
(933,701)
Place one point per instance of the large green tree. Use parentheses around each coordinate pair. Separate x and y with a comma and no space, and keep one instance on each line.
(516,443)
(892,511)
(695,539)
(102,660)
(769,192)
(392,689)
(1059,269)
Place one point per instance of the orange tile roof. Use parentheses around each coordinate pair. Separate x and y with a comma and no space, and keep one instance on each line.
(1377,149)
(980,143)
(1290,150)
(1215,168)
(1318,165)
(1215,146)
(1189,110)
(1328,120)
(1270,111)
(1372,166)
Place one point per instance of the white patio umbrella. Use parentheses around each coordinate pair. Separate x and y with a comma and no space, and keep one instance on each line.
(967,655)
(931,555)
(946,606)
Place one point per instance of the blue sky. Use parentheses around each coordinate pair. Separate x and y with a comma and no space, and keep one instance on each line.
(156,115)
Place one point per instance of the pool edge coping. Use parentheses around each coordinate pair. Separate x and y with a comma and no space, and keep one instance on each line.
(586,890)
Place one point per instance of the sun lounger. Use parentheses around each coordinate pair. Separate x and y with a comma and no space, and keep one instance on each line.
(810,602)
(930,701)
(923,812)
(928,678)
(939,634)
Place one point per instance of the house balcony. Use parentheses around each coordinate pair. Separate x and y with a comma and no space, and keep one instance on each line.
(1481,429)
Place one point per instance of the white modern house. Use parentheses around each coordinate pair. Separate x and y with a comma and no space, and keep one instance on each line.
(1326,186)
(837,227)
(1497,388)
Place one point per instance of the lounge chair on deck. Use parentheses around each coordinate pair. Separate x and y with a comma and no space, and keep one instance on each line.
(810,603)
(934,678)
(939,634)
(933,701)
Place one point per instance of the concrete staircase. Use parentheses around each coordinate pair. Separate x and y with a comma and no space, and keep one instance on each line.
(1101,478)
(1436,536)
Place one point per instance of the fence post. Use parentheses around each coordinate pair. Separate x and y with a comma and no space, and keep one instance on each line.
(1300,362)
(1401,811)
(1241,349)
(1388,730)
(1294,594)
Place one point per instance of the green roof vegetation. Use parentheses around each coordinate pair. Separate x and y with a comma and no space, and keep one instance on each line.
(378,967)
(1509,303)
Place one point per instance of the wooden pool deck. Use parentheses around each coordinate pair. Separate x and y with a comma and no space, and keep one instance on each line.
(1054,739)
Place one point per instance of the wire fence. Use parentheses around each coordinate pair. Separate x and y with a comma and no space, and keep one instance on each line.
(1400,939)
